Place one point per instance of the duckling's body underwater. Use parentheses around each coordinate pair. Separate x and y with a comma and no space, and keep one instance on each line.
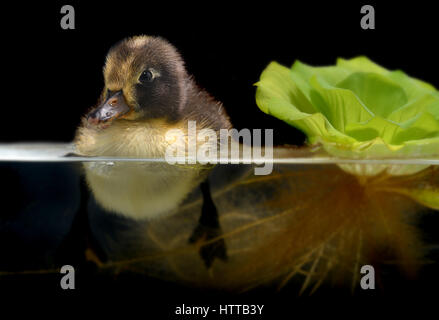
(147,92)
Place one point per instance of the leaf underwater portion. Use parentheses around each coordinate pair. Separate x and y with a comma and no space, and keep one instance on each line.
(356,109)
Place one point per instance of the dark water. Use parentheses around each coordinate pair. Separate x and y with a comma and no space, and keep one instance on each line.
(49,219)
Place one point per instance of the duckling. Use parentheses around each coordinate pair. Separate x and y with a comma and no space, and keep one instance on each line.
(148,92)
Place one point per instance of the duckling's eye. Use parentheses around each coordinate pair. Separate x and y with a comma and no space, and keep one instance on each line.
(146,76)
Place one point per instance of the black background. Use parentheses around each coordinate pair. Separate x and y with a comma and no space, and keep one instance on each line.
(52,76)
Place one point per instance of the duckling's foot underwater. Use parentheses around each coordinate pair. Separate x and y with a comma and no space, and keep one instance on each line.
(208,231)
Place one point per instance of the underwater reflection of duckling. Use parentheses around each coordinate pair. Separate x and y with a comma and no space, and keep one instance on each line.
(148,92)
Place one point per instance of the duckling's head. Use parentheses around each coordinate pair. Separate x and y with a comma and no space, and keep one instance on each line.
(145,79)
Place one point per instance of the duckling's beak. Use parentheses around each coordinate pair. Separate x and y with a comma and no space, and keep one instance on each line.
(113,108)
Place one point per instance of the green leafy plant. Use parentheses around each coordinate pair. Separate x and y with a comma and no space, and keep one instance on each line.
(355,109)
